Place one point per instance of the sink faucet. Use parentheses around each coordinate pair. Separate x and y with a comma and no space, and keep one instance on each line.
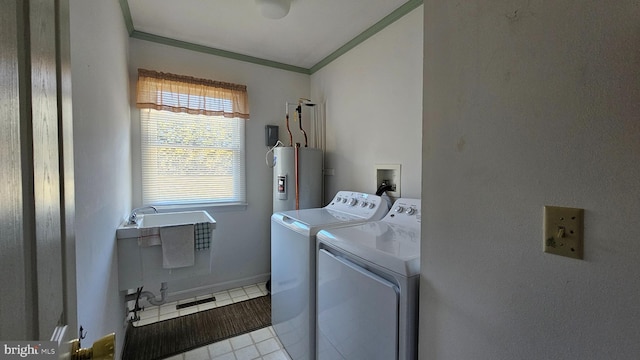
(134,213)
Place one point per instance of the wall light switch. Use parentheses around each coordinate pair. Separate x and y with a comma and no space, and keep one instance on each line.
(564,231)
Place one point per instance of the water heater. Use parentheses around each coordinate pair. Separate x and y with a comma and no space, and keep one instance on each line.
(307,184)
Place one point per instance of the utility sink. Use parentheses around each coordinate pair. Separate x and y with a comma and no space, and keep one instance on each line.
(142,264)
(150,221)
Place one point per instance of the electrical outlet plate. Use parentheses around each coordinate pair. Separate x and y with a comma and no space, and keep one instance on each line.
(564,231)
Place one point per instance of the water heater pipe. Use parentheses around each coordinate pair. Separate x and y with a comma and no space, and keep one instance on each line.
(305,102)
(289,130)
(295,160)
(299,110)
(287,123)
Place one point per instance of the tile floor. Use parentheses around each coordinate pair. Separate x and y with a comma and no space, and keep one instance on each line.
(260,344)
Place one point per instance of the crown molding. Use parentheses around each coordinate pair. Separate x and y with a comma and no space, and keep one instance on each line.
(126,14)
(213,51)
(374,29)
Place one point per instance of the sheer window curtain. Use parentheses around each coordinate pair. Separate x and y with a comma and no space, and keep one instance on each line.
(192,144)
(179,93)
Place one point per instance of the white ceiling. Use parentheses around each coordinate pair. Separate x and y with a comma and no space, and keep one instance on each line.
(312,30)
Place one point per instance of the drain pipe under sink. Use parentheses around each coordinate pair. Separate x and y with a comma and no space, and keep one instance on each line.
(149,296)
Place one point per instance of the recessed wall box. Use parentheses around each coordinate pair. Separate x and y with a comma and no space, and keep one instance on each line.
(390,174)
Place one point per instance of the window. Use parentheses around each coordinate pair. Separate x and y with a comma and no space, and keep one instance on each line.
(192,142)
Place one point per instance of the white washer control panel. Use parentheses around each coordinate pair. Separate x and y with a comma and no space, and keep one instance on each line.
(359,204)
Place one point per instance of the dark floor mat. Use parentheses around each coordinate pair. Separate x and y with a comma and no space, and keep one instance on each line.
(174,336)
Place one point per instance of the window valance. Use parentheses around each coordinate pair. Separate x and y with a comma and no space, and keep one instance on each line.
(179,93)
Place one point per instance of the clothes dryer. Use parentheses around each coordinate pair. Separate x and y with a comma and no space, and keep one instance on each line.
(367,295)
(293,264)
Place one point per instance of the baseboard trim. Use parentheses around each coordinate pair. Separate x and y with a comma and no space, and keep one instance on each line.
(214,288)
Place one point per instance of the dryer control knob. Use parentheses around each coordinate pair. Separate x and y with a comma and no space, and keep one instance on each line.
(344,200)
(338,199)
(411,211)
(364,204)
(353,202)
(372,205)
(399,209)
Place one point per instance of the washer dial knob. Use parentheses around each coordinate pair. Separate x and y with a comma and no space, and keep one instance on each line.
(399,209)
(353,202)
(411,211)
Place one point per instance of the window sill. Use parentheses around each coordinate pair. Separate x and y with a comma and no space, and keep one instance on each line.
(213,207)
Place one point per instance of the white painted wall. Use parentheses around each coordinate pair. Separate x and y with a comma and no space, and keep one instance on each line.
(526,104)
(99,55)
(372,99)
(242,237)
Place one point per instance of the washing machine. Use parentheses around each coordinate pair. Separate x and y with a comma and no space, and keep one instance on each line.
(293,264)
(367,287)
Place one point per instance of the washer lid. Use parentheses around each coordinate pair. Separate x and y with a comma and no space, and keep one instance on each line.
(312,220)
(394,247)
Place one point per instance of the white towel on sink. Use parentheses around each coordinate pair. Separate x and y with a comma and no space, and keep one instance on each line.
(177,246)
